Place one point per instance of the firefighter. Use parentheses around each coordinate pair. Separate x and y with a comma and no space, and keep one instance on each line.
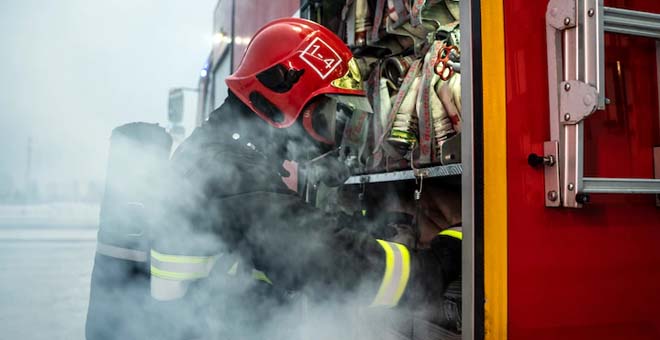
(237,243)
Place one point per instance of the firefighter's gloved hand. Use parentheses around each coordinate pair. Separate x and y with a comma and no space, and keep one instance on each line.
(424,295)
(447,249)
(432,271)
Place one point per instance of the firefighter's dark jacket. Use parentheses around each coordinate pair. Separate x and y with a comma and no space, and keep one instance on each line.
(228,197)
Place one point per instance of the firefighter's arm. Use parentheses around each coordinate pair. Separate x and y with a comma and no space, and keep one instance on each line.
(299,246)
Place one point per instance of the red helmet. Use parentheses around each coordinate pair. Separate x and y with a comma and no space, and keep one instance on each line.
(287,63)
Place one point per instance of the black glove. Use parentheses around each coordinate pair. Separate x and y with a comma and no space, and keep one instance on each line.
(432,271)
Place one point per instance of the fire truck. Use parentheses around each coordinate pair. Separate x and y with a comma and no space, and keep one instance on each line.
(557,154)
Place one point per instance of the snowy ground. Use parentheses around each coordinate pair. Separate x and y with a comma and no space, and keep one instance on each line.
(46,258)
(45,289)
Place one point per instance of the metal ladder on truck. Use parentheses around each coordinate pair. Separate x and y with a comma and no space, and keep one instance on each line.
(575,31)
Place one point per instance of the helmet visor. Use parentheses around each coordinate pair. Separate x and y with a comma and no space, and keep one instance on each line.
(352,80)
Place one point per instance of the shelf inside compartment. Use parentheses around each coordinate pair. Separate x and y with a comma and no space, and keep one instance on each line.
(429,172)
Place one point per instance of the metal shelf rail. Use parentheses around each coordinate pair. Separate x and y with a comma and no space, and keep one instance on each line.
(430,172)
(575,31)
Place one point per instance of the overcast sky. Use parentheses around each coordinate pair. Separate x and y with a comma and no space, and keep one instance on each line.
(71,70)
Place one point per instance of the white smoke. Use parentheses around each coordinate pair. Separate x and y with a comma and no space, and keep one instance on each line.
(190,221)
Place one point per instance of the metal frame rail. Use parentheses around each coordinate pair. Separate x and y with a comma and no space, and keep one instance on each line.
(575,31)
(435,171)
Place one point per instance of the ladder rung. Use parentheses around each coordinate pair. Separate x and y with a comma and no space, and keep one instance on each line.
(623,21)
(592,185)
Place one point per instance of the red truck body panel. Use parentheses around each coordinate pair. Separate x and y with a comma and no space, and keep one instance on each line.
(590,273)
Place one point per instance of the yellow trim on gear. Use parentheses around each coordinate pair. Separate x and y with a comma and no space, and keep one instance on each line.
(389,263)
(180,258)
(452,233)
(495,174)
(261,276)
(395,278)
(403,280)
(168,275)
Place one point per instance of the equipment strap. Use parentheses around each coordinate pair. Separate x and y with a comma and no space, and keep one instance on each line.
(401,10)
(405,86)
(344,11)
(348,23)
(454,107)
(426,133)
(120,252)
(395,278)
(378,20)
(416,12)
(418,34)
(376,130)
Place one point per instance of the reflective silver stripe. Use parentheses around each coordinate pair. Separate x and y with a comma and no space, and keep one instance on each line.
(121,253)
(397,273)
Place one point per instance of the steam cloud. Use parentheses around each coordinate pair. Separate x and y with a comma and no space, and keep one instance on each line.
(181,216)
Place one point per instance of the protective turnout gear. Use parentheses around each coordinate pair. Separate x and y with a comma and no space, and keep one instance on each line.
(236,244)
(287,64)
(119,289)
(448,247)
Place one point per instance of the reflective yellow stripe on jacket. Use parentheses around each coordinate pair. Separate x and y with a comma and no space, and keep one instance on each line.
(178,267)
(121,253)
(397,273)
(453,232)
(170,274)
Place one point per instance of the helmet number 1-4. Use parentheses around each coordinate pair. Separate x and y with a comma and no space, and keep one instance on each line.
(321,57)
